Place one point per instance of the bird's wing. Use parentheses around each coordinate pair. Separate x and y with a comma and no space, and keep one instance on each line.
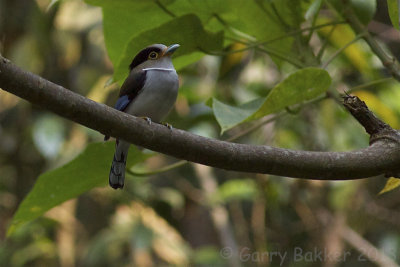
(130,89)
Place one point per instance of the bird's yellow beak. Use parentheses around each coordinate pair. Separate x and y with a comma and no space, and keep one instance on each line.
(170,50)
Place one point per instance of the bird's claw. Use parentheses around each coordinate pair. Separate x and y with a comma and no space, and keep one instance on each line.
(169,126)
(147,119)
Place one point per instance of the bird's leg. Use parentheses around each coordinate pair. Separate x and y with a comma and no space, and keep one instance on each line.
(146,119)
(169,126)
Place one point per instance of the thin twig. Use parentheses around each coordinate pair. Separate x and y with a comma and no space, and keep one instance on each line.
(388,61)
(313,22)
(358,242)
(160,170)
(325,44)
(337,53)
(219,215)
(369,84)
(163,8)
(254,127)
(271,52)
(234,30)
(289,34)
(366,248)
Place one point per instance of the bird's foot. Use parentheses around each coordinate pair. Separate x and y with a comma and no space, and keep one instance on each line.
(169,126)
(146,119)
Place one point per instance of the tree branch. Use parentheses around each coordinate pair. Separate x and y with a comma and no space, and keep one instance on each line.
(376,128)
(389,61)
(382,157)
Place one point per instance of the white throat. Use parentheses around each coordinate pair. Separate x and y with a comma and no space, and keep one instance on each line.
(160,69)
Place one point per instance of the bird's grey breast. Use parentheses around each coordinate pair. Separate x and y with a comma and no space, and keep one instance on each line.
(158,94)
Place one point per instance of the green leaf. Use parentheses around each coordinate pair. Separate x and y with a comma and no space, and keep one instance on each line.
(287,12)
(88,170)
(364,9)
(123,19)
(393,8)
(300,86)
(356,53)
(187,31)
(229,116)
(129,26)
(263,20)
(313,9)
(237,189)
(391,184)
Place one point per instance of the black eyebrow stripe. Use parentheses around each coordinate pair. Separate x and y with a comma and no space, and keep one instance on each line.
(142,56)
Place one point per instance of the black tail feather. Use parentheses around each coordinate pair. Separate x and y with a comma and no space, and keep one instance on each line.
(117,173)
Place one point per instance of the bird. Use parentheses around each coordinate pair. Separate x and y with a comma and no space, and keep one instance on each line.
(149,92)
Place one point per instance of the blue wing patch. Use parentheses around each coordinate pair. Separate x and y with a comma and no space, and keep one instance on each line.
(122,102)
(129,90)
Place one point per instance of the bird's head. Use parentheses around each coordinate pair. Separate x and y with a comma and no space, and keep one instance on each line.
(156,55)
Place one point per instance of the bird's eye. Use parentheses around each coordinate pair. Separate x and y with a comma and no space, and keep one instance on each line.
(153,55)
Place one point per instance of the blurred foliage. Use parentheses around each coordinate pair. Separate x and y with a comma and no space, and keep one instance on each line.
(241,63)
(298,87)
(69,181)
(393,9)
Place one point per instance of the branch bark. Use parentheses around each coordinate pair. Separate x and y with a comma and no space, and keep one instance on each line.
(376,128)
(381,157)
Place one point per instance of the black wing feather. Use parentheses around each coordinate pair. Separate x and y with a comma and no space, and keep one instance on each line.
(130,89)
(133,84)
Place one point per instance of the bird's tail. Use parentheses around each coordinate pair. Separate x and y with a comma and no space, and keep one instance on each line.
(117,171)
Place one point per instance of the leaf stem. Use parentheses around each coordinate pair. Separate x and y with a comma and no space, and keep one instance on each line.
(313,22)
(337,53)
(274,53)
(289,34)
(325,44)
(255,126)
(387,59)
(369,84)
(163,8)
(160,170)
(234,30)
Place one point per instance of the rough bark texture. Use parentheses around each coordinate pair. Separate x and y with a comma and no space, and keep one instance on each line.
(381,157)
